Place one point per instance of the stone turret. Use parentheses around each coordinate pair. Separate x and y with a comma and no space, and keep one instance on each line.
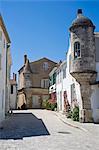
(83,60)
(27,74)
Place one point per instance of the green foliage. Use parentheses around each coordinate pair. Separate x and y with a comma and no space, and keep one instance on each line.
(75,114)
(53,106)
(48,105)
(69,114)
(44,104)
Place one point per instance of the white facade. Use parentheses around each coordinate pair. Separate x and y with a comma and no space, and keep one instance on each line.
(66,83)
(2,76)
(4,57)
(61,85)
(70,81)
(95,86)
(95,96)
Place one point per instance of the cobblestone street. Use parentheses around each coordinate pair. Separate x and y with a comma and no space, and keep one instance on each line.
(43,130)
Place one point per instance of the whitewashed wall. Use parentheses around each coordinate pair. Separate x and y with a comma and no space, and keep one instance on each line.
(2,77)
(65,85)
(95,97)
(70,80)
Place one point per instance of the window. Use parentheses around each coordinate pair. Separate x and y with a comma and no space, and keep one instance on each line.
(45,66)
(60,77)
(11,89)
(76,50)
(45,83)
(50,80)
(64,72)
(54,78)
(4,43)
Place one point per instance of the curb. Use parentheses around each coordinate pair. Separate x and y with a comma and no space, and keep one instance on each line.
(70,124)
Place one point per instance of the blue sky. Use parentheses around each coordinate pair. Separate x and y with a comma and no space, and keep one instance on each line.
(41,28)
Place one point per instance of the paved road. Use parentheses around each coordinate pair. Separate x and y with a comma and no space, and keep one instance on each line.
(43,130)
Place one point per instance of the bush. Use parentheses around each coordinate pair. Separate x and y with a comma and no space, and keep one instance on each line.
(45,104)
(48,105)
(75,114)
(69,114)
(53,106)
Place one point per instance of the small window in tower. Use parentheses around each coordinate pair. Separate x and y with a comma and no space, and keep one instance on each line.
(11,89)
(77,50)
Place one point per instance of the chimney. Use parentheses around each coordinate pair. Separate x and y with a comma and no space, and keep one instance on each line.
(14,76)
(60,61)
(79,12)
(25,58)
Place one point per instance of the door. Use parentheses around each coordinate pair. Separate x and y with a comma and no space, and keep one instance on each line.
(35,101)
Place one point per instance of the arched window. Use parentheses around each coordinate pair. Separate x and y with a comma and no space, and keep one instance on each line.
(77,50)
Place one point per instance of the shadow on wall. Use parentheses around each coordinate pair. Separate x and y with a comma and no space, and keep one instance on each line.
(20,125)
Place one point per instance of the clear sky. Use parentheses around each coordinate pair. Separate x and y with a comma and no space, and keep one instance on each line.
(41,28)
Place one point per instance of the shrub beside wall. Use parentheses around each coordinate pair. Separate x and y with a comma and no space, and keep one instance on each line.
(49,105)
(74,114)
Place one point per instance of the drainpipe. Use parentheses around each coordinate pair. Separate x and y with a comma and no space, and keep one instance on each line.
(6,90)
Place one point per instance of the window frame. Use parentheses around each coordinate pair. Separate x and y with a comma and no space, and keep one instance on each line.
(77,49)
(45,83)
(64,72)
(45,66)
(11,89)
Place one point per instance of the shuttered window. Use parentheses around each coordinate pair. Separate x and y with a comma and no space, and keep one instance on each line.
(45,83)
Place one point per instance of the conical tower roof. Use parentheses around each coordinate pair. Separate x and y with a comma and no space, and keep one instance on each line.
(27,68)
(81,21)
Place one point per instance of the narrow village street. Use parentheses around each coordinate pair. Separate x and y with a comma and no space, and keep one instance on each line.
(43,130)
(49,75)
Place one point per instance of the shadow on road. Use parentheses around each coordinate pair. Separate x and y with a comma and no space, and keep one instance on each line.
(63,132)
(20,125)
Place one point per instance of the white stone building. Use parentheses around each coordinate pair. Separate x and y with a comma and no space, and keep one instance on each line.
(95,85)
(5,65)
(13,93)
(67,89)
(81,84)
(61,85)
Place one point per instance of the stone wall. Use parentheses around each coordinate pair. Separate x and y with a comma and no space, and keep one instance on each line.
(87,41)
